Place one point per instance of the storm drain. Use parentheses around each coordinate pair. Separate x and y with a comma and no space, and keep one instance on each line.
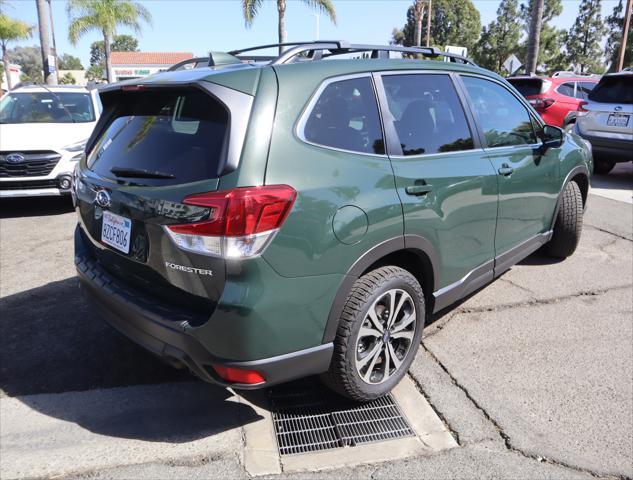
(307,418)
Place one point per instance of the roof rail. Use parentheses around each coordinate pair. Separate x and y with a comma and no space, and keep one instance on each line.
(318,49)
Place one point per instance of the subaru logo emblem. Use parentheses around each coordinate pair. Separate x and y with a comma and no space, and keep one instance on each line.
(618,108)
(14,158)
(102,198)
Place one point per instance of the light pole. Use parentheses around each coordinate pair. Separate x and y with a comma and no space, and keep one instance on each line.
(50,11)
(50,77)
(625,34)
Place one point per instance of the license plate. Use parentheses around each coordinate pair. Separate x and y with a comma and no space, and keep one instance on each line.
(116,231)
(618,120)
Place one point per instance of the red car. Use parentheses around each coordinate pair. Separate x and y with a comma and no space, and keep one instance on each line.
(555,97)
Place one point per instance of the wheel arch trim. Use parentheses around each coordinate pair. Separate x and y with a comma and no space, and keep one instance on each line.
(574,172)
(370,257)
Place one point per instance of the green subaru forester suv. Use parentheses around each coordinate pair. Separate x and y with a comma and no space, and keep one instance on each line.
(260,219)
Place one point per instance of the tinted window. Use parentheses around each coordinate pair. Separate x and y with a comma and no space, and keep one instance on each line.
(527,86)
(174,132)
(566,89)
(617,89)
(583,89)
(504,119)
(47,107)
(346,116)
(428,115)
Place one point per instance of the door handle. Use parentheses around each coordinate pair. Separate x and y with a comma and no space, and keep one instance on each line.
(505,170)
(418,190)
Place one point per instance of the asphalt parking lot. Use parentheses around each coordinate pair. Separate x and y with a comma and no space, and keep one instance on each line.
(532,375)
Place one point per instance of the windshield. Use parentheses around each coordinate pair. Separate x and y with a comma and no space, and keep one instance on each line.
(618,89)
(47,107)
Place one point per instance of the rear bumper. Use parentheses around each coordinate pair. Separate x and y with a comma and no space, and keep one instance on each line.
(615,149)
(171,341)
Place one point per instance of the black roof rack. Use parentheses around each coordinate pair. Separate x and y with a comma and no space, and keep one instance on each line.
(326,48)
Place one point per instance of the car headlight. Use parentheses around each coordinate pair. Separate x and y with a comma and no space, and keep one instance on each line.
(76,148)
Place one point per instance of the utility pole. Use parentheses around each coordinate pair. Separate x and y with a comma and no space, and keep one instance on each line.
(428,24)
(50,11)
(625,34)
(49,77)
(534,38)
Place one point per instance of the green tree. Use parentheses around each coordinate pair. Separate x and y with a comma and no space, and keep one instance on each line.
(104,16)
(583,39)
(10,31)
(69,62)
(67,79)
(120,43)
(453,22)
(614,23)
(30,59)
(500,38)
(250,8)
(96,73)
(551,56)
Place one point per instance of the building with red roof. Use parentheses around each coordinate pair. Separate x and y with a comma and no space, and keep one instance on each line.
(127,65)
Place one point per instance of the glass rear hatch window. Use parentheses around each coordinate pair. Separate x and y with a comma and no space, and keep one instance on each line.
(161,137)
(616,89)
(527,86)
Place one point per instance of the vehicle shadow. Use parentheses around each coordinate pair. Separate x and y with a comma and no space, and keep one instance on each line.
(620,178)
(35,206)
(52,342)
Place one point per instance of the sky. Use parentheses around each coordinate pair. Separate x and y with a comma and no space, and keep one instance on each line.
(198,26)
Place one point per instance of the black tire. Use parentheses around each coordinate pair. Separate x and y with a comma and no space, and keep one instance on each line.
(343,376)
(602,167)
(568,226)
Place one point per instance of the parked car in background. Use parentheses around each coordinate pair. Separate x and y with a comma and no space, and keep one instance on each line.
(606,121)
(263,222)
(43,131)
(555,98)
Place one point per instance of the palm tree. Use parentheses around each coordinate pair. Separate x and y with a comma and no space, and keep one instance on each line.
(11,30)
(251,7)
(418,11)
(104,16)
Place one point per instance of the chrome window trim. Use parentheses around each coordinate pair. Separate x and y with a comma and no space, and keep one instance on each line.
(299,130)
(422,156)
(448,73)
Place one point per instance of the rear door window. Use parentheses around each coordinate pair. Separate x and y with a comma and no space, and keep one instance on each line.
(346,117)
(503,118)
(568,89)
(428,115)
(178,135)
(584,89)
(616,89)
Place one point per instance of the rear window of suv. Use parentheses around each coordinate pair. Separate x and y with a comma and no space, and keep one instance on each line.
(175,134)
(527,86)
(618,89)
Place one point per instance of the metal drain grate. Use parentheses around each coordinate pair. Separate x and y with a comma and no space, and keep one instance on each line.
(309,418)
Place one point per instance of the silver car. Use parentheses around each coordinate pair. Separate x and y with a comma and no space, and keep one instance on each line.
(606,121)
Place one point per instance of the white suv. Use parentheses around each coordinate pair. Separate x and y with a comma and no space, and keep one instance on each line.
(43,131)
(606,120)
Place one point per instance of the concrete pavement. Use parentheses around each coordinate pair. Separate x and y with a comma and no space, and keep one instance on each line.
(533,374)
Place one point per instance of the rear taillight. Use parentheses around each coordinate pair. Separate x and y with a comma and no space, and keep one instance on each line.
(581,107)
(240,223)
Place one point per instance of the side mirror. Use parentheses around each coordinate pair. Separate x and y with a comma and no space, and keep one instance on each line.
(552,137)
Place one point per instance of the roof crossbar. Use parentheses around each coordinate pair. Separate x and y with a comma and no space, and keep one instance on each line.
(339,47)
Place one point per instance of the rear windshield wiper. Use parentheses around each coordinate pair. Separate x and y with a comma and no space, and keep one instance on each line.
(139,173)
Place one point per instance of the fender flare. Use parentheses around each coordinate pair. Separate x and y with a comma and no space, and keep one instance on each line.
(371,256)
(578,169)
